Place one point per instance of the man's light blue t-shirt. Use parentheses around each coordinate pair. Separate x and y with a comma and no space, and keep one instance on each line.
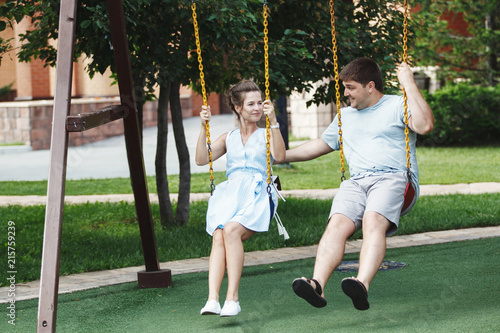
(374,139)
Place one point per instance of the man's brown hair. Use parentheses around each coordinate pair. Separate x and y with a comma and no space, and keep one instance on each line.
(363,70)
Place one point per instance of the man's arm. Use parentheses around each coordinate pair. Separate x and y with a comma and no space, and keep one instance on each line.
(421,120)
(308,151)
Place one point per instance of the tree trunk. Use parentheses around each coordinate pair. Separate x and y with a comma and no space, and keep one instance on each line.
(491,51)
(166,212)
(139,100)
(182,212)
(282,118)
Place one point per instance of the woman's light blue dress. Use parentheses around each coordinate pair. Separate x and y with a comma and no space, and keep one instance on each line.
(243,197)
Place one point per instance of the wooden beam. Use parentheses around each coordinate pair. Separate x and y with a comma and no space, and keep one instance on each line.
(85,121)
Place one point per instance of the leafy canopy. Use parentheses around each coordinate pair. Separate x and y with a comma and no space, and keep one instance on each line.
(162,45)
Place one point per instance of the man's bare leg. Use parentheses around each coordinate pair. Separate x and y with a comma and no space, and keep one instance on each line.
(371,257)
(328,257)
(331,247)
(373,249)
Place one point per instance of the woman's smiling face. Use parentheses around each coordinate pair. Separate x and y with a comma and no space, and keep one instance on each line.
(252,107)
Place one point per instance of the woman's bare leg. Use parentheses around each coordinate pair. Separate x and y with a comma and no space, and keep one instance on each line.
(234,235)
(217,265)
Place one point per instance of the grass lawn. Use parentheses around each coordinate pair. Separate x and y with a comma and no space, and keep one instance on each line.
(449,287)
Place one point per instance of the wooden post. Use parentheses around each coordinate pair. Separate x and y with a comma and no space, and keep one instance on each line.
(49,276)
(152,277)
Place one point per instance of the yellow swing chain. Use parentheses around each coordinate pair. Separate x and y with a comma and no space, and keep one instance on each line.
(266,62)
(405,98)
(337,89)
(204,94)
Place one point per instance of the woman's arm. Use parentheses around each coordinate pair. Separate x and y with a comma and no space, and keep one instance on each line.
(218,146)
(276,143)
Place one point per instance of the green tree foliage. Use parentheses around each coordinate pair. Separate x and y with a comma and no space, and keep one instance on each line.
(231,33)
(473,56)
(7,16)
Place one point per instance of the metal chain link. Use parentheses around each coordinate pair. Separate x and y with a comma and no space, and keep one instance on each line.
(405,98)
(204,94)
(337,89)
(266,66)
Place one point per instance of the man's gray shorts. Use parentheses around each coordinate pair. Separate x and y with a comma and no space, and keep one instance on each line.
(383,194)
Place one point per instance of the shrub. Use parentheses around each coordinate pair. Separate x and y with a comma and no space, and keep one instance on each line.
(5,90)
(465,115)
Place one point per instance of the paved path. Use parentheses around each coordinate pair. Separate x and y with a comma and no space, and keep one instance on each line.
(90,280)
(30,200)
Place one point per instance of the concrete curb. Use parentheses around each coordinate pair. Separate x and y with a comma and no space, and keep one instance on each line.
(31,200)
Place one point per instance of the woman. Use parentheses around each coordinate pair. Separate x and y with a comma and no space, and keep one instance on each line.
(239,206)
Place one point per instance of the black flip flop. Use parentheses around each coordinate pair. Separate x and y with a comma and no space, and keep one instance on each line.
(357,292)
(304,289)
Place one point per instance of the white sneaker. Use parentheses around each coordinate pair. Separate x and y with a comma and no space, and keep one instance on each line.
(231,308)
(211,308)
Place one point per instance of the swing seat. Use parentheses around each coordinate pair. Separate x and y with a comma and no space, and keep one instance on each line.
(408,197)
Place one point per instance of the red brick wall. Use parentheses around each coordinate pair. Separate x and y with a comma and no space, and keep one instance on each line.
(456,23)
(40,79)
(213,100)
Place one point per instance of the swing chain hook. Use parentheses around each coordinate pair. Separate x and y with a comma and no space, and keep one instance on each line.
(212,185)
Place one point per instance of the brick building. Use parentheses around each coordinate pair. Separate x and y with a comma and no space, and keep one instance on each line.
(26,110)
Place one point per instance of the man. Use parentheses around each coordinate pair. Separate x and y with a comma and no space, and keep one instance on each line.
(374,145)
